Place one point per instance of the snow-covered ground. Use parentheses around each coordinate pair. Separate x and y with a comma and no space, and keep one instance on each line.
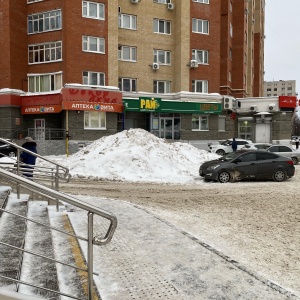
(228,217)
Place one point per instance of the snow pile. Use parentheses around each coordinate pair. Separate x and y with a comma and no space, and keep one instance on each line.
(138,156)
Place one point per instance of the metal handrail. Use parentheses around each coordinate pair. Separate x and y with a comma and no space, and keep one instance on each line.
(61,172)
(59,196)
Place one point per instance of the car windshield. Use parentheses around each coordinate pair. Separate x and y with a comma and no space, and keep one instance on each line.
(226,143)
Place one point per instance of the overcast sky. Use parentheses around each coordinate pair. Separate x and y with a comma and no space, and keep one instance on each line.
(282,43)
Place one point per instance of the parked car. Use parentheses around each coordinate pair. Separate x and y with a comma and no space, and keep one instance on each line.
(225,147)
(285,151)
(7,150)
(257,146)
(245,164)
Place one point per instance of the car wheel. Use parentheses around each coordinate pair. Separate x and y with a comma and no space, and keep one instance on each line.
(11,154)
(220,152)
(279,175)
(224,177)
(295,160)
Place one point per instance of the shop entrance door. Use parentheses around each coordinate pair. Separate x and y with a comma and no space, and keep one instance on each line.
(166,128)
(39,129)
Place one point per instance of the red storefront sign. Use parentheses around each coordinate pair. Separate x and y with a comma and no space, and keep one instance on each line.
(41,104)
(42,100)
(92,100)
(287,101)
(72,99)
(96,96)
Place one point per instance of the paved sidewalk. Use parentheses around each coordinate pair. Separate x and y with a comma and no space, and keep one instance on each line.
(151,259)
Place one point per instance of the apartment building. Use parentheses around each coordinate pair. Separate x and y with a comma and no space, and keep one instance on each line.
(72,65)
(280,88)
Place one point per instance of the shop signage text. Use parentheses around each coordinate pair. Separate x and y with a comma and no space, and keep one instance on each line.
(149,104)
(210,107)
(93,106)
(41,109)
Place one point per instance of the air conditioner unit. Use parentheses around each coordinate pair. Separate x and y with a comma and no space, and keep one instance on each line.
(170,6)
(271,106)
(193,64)
(155,66)
(229,103)
(253,108)
(134,1)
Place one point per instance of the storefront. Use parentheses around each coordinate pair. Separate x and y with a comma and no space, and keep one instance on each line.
(49,116)
(42,116)
(169,118)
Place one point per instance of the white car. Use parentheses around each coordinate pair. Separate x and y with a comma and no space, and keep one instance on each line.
(225,147)
(286,151)
(256,146)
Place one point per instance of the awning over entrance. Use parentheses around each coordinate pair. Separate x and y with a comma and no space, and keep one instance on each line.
(73,99)
(41,104)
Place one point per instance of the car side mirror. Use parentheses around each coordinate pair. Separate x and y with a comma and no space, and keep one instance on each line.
(237,160)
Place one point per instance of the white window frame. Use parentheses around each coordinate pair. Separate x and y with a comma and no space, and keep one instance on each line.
(161,26)
(44,82)
(200,26)
(87,11)
(98,41)
(201,56)
(200,122)
(43,22)
(202,1)
(87,77)
(131,82)
(131,53)
(222,123)
(44,53)
(163,57)
(161,87)
(199,86)
(131,20)
(92,117)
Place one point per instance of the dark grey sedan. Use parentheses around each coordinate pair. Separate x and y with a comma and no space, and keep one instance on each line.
(245,164)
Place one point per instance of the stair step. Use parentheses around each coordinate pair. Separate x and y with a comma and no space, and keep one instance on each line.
(4,192)
(37,270)
(12,231)
(66,249)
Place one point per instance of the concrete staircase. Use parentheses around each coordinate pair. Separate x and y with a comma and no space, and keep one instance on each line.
(34,238)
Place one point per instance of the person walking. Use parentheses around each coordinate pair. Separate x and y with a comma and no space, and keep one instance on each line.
(28,158)
(234,145)
(297,142)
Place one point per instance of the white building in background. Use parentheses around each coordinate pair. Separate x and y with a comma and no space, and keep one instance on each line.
(280,88)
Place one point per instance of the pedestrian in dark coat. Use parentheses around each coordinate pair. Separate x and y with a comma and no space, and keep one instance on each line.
(234,145)
(27,158)
(297,142)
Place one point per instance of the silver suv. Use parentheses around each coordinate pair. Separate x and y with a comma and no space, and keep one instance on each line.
(225,147)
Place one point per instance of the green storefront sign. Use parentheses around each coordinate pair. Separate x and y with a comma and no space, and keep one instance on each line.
(148,104)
